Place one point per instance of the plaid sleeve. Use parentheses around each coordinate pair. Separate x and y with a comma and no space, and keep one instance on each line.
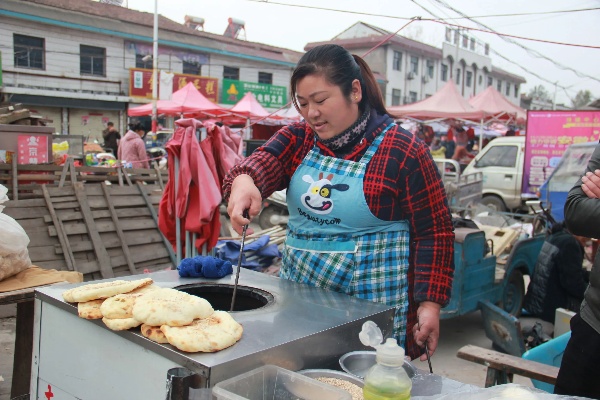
(432,246)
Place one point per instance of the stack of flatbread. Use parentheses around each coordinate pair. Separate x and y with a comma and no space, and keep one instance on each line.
(166,315)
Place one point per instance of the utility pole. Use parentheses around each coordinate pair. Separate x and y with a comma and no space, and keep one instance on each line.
(554,97)
(155,70)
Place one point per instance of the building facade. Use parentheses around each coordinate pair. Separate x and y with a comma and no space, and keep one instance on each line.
(81,63)
(408,71)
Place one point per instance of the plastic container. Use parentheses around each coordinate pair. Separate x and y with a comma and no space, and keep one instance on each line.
(271,382)
(387,379)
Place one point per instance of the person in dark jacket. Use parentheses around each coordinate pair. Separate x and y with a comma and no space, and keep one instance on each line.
(578,374)
(559,280)
(111,138)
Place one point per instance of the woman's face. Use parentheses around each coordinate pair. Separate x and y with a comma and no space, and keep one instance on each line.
(324,107)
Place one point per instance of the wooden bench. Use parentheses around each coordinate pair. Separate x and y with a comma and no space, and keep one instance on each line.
(502,367)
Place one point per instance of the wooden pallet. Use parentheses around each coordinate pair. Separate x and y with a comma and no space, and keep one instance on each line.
(99,230)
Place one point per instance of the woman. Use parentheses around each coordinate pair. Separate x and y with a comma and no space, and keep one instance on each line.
(361,192)
(132,148)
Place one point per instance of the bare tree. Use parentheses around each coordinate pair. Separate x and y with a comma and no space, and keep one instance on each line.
(539,92)
(582,98)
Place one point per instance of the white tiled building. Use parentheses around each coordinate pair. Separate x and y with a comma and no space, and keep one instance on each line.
(409,71)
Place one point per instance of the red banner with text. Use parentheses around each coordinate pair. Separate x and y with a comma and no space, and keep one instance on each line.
(140,84)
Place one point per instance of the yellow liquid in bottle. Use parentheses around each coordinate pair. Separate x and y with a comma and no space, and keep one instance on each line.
(371,392)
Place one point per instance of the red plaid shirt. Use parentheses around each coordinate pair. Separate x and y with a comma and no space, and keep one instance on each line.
(401,182)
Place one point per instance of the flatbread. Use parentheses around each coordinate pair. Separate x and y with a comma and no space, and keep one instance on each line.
(208,335)
(120,306)
(153,333)
(121,324)
(103,290)
(170,307)
(90,309)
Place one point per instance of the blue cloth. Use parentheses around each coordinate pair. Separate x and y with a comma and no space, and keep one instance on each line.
(261,252)
(204,267)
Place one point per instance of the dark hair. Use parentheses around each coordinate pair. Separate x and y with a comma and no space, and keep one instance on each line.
(339,68)
(136,126)
(109,123)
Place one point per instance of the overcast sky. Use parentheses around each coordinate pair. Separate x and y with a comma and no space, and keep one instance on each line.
(282,24)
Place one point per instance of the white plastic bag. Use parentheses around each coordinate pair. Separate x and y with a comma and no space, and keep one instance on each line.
(14,256)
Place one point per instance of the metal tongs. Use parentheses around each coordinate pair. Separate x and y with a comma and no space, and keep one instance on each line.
(239,263)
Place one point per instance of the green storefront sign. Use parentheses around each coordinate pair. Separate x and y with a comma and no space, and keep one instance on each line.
(267,95)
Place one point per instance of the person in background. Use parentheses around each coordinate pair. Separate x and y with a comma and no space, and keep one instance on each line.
(578,373)
(132,147)
(368,212)
(559,280)
(111,137)
(447,144)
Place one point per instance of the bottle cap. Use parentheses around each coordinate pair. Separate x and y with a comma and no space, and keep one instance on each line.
(390,353)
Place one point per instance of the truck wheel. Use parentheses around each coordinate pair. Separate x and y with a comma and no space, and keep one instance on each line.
(514,293)
(493,202)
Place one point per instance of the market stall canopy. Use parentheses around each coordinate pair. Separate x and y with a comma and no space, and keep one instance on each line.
(186,101)
(445,103)
(249,107)
(495,103)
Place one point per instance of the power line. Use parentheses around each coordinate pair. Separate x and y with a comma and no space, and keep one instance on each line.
(527,49)
(406,18)
(502,56)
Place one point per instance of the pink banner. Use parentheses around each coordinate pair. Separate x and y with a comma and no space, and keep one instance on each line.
(549,133)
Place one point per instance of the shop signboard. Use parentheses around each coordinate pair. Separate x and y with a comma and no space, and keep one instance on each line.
(270,96)
(140,84)
(32,149)
(549,133)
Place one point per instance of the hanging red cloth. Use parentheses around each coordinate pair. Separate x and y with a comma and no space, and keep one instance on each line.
(198,196)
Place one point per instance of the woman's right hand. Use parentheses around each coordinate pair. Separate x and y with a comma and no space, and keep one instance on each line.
(244,196)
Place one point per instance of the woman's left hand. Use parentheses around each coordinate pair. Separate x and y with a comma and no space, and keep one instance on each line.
(427,329)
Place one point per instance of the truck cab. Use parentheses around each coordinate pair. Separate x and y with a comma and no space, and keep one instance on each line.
(501,163)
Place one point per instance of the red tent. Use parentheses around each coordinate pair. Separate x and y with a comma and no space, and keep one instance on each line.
(249,107)
(186,101)
(493,102)
(445,103)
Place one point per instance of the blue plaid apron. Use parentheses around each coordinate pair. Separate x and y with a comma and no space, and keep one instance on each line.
(335,242)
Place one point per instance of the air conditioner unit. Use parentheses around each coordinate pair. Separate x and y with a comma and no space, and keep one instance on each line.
(425,78)
(410,75)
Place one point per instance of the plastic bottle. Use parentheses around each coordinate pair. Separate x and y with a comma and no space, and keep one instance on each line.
(387,379)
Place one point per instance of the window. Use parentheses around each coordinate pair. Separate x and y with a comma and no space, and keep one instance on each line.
(29,52)
(444,73)
(92,60)
(507,89)
(487,49)
(414,65)
(140,63)
(465,41)
(490,81)
(231,73)
(397,63)
(499,156)
(430,68)
(396,96)
(192,68)
(265,77)
(516,90)
(469,78)
(413,97)
(458,71)
(480,80)
(499,85)
(472,44)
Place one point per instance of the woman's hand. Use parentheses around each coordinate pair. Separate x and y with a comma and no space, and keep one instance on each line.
(244,196)
(427,329)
